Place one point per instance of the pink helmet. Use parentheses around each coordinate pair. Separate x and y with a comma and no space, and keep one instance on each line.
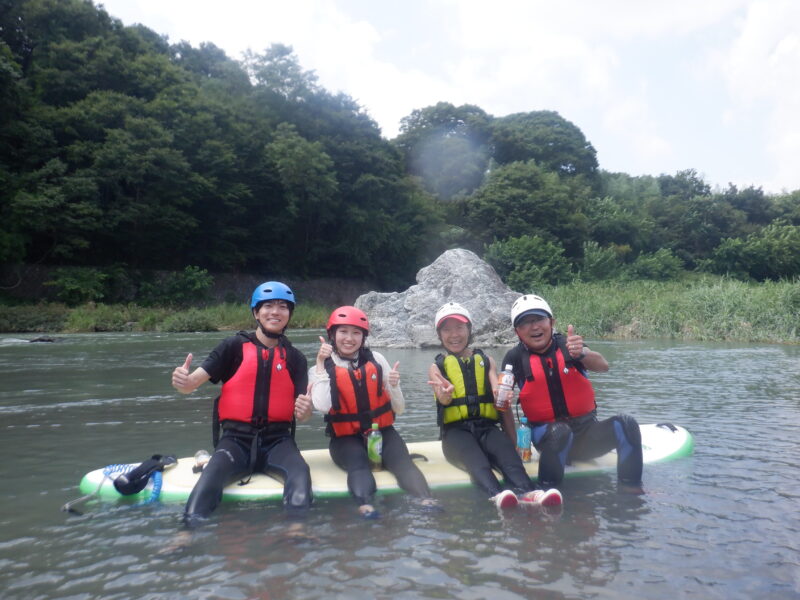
(348,315)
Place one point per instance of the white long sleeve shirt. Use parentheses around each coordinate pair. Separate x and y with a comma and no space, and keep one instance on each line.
(321,389)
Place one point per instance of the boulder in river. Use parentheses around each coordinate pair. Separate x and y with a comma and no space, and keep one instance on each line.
(405,319)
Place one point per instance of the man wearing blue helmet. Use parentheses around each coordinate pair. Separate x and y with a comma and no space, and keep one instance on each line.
(264,392)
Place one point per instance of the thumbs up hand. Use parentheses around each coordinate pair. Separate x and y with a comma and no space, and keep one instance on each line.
(180,376)
(325,351)
(574,342)
(394,375)
(302,405)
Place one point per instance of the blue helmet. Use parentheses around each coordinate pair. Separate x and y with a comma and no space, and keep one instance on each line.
(272,290)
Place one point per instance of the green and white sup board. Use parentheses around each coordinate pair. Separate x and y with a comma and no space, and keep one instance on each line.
(659,443)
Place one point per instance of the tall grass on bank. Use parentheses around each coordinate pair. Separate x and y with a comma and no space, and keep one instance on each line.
(703,309)
(707,309)
(91,317)
(236,316)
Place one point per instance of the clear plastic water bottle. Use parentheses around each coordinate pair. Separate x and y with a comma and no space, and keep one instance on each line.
(201,458)
(524,440)
(505,388)
(375,448)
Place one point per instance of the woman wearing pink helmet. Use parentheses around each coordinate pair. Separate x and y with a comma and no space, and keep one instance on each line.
(356,388)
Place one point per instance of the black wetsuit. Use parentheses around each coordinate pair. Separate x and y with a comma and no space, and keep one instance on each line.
(580,437)
(244,449)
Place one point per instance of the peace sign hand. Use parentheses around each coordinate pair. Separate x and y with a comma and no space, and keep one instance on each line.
(441,387)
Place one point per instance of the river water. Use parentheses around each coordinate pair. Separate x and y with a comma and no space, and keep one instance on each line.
(723,523)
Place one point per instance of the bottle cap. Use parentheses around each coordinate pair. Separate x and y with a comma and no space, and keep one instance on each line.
(509,368)
(374,425)
(523,419)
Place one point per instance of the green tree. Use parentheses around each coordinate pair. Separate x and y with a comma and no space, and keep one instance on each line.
(661,265)
(770,253)
(309,189)
(278,70)
(547,138)
(527,262)
(446,147)
(56,213)
(601,262)
(525,199)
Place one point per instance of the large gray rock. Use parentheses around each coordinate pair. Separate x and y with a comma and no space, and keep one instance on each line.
(405,319)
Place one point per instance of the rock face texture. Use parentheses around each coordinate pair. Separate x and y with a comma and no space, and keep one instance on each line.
(405,319)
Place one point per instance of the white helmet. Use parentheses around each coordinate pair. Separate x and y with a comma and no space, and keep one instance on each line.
(529,304)
(454,310)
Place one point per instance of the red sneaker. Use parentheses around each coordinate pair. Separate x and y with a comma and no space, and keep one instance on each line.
(551,497)
(505,499)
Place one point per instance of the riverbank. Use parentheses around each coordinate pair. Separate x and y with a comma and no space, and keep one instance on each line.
(705,309)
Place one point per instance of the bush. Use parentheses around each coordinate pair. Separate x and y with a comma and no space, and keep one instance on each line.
(76,285)
(187,288)
(527,262)
(599,263)
(190,320)
(770,253)
(37,318)
(661,265)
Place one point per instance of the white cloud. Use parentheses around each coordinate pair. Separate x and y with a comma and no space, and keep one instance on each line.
(761,72)
(655,86)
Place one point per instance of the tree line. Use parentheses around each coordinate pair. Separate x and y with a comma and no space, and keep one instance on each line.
(121,153)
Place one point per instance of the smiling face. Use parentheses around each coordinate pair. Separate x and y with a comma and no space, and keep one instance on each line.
(536,332)
(347,340)
(273,315)
(454,335)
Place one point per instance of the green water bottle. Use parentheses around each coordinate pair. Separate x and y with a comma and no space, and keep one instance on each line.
(375,448)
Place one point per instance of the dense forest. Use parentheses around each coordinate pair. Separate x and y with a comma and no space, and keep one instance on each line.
(121,153)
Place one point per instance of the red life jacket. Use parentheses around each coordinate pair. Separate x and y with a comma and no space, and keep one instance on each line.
(358,399)
(261,391)
(554,388)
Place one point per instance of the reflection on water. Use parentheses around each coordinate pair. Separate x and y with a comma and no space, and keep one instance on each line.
(723,523)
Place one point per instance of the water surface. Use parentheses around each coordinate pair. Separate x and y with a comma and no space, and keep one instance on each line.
(724,523)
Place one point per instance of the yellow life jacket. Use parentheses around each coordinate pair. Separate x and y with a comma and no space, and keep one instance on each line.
(472,393)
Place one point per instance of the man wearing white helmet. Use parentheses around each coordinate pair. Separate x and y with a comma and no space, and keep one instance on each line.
(464,382)
(557,397)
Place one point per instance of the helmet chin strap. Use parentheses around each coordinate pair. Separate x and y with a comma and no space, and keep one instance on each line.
(269,334)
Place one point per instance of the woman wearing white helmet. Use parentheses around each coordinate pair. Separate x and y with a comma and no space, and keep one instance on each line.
(558,398)
(464,382)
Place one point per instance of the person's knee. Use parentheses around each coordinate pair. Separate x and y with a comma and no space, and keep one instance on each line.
(626,429)
(554,444)
(297,487)
(629,449)
(557,438)
(628,434)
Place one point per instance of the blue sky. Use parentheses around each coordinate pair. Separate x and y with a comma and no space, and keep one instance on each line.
(656,87)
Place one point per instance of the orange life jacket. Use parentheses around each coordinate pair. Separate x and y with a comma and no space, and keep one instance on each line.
(358,399)
(554,387)
(261,391)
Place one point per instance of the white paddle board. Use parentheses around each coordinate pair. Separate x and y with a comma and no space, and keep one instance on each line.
(659,443)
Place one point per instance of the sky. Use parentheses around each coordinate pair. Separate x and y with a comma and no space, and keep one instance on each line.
(656,87)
